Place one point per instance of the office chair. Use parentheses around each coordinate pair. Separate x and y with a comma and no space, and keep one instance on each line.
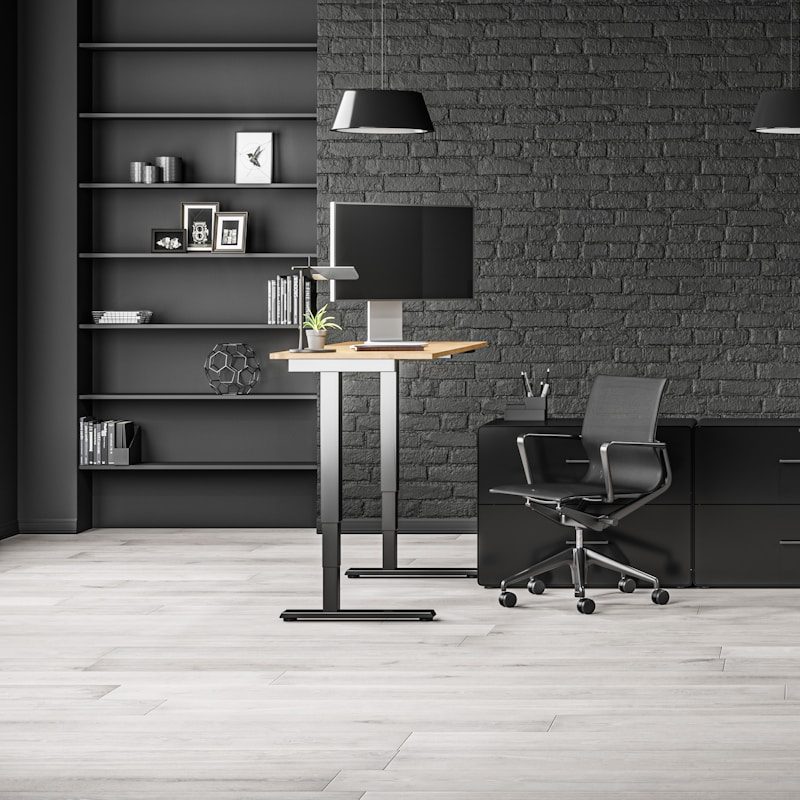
(627,469)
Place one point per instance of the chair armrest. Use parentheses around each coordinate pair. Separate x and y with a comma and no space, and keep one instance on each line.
(659,447)
(523,455)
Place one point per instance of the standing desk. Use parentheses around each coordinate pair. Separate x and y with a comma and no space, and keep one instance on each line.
(338,359)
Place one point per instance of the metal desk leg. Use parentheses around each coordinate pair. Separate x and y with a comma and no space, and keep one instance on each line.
(330,481)
(390,468)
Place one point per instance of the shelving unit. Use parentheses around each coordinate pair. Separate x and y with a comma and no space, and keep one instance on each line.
(254,463)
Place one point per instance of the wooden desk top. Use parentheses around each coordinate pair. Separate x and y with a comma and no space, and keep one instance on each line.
(433,350)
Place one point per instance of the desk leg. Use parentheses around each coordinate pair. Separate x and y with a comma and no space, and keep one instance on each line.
(330,484)
(390,468)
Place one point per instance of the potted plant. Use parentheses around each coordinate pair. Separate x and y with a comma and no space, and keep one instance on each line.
(317,327)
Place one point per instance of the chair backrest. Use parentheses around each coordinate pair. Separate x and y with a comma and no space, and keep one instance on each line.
(624,409)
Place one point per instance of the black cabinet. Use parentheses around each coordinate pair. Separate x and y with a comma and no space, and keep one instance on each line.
(747,513)
(657,538)
(747,545)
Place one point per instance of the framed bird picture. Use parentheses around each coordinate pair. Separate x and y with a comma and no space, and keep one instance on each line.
(254,157)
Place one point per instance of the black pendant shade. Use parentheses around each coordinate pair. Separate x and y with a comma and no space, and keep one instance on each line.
(778,111)
(382,111)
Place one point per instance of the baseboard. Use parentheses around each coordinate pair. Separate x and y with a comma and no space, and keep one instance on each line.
(48,526)
(8,529)
(433,525)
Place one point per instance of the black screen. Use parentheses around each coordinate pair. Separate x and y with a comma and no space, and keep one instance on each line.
(403,252)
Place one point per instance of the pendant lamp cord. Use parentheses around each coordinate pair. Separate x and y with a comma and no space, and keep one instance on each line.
(791,45)
(383,45)
(372,49)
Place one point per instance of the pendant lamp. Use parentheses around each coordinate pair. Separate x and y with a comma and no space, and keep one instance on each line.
(778,110)
(382,111)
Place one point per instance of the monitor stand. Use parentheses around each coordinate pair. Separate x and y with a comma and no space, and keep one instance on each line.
(385,326)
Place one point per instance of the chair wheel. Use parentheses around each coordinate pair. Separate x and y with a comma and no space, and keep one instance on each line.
(660,597)
(507,599)
(586,605)
(536,586)
(626,585)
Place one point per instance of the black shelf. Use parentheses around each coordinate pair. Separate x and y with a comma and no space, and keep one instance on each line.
(97,256)
(282,397)
(197,185)
(267,46)
(195,115)
(205,326)
(256,466)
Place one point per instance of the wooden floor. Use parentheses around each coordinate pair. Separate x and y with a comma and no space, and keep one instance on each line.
(152,664)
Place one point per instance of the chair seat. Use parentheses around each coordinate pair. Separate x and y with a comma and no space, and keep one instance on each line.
(558,491)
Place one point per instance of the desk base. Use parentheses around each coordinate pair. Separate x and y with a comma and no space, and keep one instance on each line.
(412,572)
(356,614)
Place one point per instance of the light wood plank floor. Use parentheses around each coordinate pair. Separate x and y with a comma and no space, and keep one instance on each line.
(144,665)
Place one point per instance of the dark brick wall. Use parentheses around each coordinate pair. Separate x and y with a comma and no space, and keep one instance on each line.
(626,220)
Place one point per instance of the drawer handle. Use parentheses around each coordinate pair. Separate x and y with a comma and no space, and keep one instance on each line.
(602,541)
(576,460)
(789,460)
(786,542)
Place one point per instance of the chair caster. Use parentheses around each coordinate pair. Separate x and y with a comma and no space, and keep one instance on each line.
(660,597)
(536,586)
(626,585)
(507,599)
(586,605)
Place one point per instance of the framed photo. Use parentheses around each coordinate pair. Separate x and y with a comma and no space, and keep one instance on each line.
(253,157)
(198,222)
(230,232)
(168,240)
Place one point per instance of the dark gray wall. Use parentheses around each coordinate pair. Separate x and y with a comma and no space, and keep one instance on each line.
(8,294)
(47,386)
(626,220)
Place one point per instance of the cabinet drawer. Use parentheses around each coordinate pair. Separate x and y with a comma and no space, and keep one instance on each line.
(748,465)
(747,545)
(657,539)
(565,460)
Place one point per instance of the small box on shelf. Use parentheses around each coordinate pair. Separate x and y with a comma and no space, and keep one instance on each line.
(125,456)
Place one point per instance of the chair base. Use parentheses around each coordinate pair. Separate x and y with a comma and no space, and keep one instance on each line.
(577,559)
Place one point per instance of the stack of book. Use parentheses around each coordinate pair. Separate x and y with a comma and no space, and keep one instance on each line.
(288,298)
(97,438)
(121,317)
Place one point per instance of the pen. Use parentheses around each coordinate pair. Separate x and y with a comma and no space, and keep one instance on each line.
(524,384)
(545,385)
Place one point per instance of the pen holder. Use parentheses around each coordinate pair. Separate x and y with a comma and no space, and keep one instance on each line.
(533,409)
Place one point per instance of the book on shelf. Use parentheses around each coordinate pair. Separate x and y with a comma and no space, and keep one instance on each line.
(98,439)
(288,297)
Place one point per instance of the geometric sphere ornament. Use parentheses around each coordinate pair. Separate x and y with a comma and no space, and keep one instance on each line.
(232,368)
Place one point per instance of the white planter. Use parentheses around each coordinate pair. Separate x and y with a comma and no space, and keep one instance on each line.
(316,339)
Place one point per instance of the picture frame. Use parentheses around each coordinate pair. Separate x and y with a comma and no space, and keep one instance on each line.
(230,232)
(198,222)
(254,156)
(168,240)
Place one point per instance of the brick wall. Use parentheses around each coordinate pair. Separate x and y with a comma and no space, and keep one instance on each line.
(626,220)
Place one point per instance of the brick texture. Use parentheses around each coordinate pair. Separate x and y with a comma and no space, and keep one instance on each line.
(626,220)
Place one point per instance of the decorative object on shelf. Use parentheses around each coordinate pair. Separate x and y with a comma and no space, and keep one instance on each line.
(382,111)
(778,110)
(151,174)
(232,368)
(121,317)
(230,232)
(317,327)
(254,157)
(198,222)
(137,171)
(168,240)
(171,168)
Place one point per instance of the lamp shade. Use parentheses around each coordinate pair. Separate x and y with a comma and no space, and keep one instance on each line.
(382,111)
(778,111)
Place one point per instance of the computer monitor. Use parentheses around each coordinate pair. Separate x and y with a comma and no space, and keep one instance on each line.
(401,252)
